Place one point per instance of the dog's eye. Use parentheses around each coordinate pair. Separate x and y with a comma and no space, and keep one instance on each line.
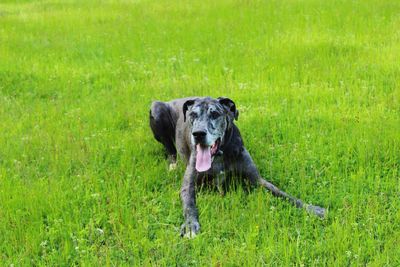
(193,115)
(214,114)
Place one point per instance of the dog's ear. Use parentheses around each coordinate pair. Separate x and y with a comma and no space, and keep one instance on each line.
(186,106)
(230,106)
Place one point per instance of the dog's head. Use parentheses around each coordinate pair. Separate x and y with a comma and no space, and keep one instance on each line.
(209,119)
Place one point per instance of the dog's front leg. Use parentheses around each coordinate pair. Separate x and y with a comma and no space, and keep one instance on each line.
(191,225)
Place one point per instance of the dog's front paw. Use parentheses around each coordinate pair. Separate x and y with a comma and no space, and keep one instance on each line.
(190,229)
(317,210)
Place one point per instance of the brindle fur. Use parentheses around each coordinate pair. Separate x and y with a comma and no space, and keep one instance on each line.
(173,124)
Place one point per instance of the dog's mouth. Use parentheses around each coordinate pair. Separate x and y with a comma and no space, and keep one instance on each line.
(204,155)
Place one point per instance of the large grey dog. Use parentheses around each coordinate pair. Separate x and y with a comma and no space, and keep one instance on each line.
(202,130)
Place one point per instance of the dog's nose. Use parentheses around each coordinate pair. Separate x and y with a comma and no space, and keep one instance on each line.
(199,134)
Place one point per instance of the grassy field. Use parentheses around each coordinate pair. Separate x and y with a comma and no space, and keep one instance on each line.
(83,182)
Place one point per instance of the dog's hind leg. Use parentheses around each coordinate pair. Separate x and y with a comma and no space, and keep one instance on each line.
(163,124)
(249,170)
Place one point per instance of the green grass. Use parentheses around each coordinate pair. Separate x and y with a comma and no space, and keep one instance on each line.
(83,182)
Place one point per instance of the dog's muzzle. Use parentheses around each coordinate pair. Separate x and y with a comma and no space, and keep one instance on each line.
(205,154)
(199,136)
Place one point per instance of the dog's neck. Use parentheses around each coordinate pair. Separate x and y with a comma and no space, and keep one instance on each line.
(233,144)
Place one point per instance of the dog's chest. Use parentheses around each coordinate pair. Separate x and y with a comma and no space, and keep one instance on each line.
(217,166)
(215,175)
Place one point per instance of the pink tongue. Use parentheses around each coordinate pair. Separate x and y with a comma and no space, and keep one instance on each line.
(203,158)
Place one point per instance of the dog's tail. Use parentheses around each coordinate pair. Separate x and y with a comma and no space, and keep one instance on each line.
(317,210)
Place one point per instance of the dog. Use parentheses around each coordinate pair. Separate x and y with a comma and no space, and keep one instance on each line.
(202,131)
